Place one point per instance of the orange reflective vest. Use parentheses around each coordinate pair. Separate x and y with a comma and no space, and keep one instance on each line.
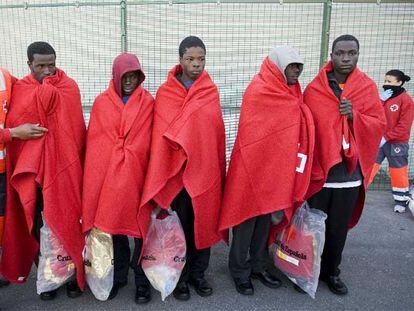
(5,93)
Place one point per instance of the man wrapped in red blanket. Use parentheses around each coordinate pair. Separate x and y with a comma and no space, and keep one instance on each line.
(116,160)
(187,163)
(44,175)
(24,132)
(269,168)
(349,124)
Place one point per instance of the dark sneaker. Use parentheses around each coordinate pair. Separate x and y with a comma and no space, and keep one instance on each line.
(244,287)
(182,292)
(201,286)
(50,295)
(267,279)
(143,294)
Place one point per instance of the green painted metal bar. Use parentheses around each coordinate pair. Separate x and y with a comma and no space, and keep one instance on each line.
(379,2)
(124,37)
(218,2)
(171,2)
(326,26)
(27,4)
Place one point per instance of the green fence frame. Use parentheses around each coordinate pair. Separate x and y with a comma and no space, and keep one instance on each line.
(122,21)
(327,9)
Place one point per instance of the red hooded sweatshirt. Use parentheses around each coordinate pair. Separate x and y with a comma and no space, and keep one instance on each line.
(117,154)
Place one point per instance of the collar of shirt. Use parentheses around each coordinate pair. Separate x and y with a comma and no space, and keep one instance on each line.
(335,86)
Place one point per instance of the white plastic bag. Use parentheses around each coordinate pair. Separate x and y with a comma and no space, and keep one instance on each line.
(56,267)
(98,257)
(164,253)
(298,248)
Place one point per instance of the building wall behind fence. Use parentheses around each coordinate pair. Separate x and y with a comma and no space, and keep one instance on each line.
(238,36)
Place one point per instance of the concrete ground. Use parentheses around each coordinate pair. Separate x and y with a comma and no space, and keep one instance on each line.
(377,266)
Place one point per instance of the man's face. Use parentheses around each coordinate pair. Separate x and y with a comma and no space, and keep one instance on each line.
(345,56)
(129,83)
(193,62)
(292,73)
(42,66)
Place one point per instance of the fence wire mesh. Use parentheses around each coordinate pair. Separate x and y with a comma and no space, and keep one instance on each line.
(87,35)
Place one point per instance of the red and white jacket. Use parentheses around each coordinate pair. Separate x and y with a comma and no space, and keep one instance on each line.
(399,112)
(6,81)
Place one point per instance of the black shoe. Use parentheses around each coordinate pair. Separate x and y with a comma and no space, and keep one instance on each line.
(298,289)
(72,289)
(4,282)
(50,295)
(201,286)
(267,279)
(143,294)
(335,285)
(244,287)
(115,289)
(181,291)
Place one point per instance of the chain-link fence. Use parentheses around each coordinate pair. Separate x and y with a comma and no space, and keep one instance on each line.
(87,35)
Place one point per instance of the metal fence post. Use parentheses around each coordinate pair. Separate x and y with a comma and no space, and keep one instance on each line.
(326,25)
(124,41)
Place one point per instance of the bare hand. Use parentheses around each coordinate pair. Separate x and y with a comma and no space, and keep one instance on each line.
(345,108)
(28,131)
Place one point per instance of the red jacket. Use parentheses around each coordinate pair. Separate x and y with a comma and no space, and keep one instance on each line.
(6,83)
(399,112)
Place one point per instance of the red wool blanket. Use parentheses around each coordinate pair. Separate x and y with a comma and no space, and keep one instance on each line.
(336,137)
(54,163)
(188,150)
(270,165)
(117,154)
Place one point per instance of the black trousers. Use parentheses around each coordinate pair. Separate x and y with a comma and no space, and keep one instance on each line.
(338,204)
(123,261)
(249,238)
(2,193)
(197,259)
(37,220)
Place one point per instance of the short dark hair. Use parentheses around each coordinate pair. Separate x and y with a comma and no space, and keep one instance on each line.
(190,42)
(39,47)
(345,38)
(399,75)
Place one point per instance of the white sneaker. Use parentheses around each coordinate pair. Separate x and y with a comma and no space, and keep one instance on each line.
(411,206)
(399,208)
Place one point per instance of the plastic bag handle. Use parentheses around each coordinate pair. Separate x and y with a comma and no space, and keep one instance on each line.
(158,209)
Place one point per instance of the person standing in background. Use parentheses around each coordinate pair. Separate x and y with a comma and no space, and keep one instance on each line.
(399,111)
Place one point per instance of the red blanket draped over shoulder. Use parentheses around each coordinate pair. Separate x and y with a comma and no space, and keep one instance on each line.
(53,163)
(117,154)
(334,133)
(270,164)
(188,150)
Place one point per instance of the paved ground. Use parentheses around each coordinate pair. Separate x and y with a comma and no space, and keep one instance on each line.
(378,267)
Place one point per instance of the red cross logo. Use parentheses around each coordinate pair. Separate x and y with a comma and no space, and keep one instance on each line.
(394,107)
